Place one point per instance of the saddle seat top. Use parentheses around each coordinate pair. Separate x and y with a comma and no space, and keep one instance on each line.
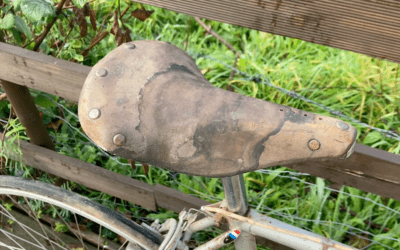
(148,101)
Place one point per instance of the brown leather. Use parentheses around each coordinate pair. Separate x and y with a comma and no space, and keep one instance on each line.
(170,116)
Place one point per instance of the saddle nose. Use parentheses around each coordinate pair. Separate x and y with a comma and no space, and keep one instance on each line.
(148,101)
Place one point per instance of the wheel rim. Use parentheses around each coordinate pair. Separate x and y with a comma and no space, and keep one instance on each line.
(79,208)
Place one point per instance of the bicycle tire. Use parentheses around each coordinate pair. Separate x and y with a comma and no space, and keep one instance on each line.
(82,206)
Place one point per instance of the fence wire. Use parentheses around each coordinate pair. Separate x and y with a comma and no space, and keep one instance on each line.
(365,232)
(350,227)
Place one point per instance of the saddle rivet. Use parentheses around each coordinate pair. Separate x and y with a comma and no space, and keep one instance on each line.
(119,140)
(94,114)
(314,145)
(130,46)
(342,125)
(101,72)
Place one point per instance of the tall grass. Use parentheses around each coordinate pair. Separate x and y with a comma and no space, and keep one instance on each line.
(361,87)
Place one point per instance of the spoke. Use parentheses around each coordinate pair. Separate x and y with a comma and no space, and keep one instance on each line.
(23,226)
(1,230)
(98,242)
(17,237)
(10,247)
(37,220)
(79,231)
(67,224)
(48,230)
(122,245)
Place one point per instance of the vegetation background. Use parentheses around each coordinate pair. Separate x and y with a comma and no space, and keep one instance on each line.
(359,86)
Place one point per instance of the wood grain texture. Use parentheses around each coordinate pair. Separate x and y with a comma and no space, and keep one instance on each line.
(369,169)
(25,108)
(106,181)
(89,175)
(370,27)
(175,200)
(42,72)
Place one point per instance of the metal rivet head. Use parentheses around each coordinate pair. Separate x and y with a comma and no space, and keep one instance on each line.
(130,46)
(119,140)
(314,145)
(94,114)
(101,72)
(342,125)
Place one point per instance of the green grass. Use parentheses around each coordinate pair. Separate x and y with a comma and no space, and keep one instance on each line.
(361,87)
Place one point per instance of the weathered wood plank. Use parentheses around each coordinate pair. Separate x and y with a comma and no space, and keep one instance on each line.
(24,106)
(89,175)
(380,170)
(371,27)
(368,169)
(175,200)
(106,181)
(42,72)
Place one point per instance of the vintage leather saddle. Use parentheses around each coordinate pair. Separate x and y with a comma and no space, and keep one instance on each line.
(148,101)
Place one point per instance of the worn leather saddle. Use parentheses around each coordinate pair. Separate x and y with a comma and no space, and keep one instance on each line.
(148,101)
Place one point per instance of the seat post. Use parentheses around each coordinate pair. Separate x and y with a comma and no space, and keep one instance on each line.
(235,194)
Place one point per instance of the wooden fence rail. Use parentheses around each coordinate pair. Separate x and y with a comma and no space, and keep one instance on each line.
(94,177)
(106,181)
(370,27)
(369,169)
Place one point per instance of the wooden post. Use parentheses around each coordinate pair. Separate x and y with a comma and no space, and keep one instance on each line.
(25,108)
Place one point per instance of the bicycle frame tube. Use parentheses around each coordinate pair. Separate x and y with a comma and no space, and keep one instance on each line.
(235,194)
(277,231)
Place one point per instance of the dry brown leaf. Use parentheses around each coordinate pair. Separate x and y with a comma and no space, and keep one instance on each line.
(145,168)
(128,36)
(359,242)
(133,166)
(115,25)
(61,28)
(119,38)
(116,31)
(142,14)
(86,9)
(55,125)
(92,15)
(81,21)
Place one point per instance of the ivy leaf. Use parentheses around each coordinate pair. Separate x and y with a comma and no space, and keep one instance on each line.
(35,10)
(22,26)
(79,3)
(8,22)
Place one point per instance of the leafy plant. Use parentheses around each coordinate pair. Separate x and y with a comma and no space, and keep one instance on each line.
(60,227)
(37,10)
(8,206)
(85,32)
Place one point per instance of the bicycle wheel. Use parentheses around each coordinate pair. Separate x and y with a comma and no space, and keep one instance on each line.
(37,215)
